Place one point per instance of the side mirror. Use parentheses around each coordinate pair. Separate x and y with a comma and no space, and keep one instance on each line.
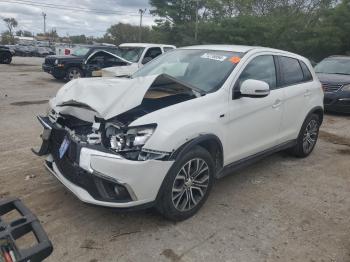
(146,59)
(254,88)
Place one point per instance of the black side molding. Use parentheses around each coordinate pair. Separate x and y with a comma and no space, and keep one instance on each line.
(228,169)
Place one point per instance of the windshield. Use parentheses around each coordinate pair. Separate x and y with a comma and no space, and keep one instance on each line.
(334,66)
(129,53)
(206,70)
(80,51)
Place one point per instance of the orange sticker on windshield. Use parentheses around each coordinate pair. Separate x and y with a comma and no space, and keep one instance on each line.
(235,59)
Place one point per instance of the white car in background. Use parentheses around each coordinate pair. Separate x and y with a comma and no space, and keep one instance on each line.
(161,137)
(138,54)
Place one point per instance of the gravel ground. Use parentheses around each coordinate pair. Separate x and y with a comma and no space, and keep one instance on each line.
(279,209)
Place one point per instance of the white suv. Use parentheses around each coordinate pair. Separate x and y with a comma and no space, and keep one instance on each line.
(192,115)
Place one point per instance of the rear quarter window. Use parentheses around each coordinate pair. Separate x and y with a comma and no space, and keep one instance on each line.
(306,72)
(291,71)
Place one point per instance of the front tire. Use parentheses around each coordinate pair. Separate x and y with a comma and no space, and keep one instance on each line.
(187,185)
(307,138)
(5,58)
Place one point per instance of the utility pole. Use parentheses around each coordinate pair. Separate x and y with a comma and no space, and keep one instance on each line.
(141,11)
(196,25)
(44,16)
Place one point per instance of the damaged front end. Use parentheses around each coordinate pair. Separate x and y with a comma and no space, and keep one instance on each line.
(104,156)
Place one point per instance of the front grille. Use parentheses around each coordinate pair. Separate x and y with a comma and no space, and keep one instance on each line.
(50,60)
(98,188)
(331,88)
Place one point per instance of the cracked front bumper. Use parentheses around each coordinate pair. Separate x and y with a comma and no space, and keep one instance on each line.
(101,178)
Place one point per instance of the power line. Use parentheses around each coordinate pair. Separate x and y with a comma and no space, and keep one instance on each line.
(70,8)
(74,7)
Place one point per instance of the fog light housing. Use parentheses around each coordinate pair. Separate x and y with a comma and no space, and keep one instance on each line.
(121,192)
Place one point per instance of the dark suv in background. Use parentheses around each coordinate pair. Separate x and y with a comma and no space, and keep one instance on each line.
(334,74)
(71,66)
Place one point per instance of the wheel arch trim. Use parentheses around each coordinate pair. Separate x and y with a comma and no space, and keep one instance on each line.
(316,110)
(186,147)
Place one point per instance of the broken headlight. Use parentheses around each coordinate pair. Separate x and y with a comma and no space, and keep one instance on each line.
(128,140)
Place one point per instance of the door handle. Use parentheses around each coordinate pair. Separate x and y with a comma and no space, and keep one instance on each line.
(307,93)
(277,104)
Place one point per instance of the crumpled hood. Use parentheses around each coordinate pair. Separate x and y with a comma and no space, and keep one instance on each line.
(119,70)
(104,97)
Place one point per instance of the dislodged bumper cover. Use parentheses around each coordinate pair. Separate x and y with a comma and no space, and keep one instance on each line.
(142,178)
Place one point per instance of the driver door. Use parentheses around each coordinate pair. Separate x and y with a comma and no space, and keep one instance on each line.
(254,123)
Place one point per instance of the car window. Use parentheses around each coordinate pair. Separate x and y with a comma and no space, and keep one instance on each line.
(334,65)
(130,53)
(204,69)
(306,71)
(97,59)
(168,48)
(153,52)
(80,51)
(260,68)
(291,71)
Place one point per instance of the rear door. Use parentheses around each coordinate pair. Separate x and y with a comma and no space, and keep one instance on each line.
(296,81)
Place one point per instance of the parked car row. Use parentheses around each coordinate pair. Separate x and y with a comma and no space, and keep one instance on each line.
(31,50)
(138,55)
(87,61)
(69,67)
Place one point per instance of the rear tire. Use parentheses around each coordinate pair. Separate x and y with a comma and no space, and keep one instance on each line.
(187,185)
(307,138)
(73,73)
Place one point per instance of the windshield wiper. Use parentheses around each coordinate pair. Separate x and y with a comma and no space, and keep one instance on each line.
(332,73)
(341,74)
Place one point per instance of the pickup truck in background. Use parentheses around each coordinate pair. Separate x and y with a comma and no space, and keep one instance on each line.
(137,55)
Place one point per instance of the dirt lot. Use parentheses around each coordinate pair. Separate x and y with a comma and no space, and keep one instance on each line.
(280,209)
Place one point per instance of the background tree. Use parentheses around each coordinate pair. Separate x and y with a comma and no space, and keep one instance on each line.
(11,24)
(125,33)
(6,38)
(314,28)
(78,39)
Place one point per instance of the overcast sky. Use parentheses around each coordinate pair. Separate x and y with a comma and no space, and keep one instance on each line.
(75,22)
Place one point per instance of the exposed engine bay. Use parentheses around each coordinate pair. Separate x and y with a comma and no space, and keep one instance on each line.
(115,134)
